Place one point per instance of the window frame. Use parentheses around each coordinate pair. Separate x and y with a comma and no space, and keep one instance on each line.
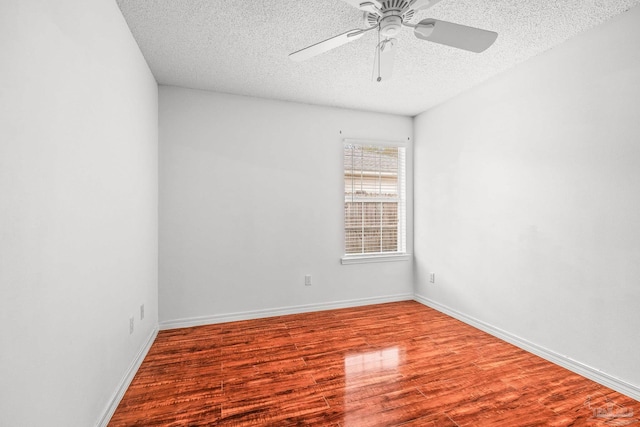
(373,257)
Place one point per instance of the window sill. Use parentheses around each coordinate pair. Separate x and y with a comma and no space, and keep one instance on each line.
(364,259)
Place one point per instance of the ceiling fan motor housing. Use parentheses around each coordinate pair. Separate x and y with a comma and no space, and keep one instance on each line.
(400,8)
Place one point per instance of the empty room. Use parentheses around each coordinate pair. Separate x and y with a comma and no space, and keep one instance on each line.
(329,213)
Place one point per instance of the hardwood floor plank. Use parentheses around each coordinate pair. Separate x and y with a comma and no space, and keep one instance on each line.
(437,420)
(396,364)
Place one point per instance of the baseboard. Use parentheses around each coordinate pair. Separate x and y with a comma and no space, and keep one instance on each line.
(559,359)
(257,314)
(126,380)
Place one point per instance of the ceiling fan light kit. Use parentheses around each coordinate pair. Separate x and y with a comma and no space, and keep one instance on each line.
(388,17)
(390,25)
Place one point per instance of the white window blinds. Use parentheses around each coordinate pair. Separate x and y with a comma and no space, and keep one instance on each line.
(375,199)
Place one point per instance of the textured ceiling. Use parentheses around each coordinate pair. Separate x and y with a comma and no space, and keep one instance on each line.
(242,47)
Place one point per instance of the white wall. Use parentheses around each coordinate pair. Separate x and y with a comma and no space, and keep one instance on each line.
(251,200)
(78,209)
(527,200)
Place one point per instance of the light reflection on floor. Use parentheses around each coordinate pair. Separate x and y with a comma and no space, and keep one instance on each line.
(371,361)
(370,369)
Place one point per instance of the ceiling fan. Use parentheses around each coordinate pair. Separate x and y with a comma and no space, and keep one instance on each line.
(389,16)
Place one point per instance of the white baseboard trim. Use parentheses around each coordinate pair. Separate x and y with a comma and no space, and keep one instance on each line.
(126,380)
(559,359)
(257,314)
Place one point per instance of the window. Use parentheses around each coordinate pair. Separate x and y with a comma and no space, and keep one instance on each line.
(374,200)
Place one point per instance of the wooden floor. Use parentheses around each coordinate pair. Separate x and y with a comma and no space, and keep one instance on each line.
(381,365)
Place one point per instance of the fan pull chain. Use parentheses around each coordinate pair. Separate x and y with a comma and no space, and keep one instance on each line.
(379,79)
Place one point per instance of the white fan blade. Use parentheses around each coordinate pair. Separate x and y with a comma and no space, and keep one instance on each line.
(326,45)
(455,35)
(370,7)
(385,56)
(423,4)
(357,3)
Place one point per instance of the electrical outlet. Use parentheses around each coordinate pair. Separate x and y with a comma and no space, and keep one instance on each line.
(130,325)
(142,312)
(307,280)
(432,277)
